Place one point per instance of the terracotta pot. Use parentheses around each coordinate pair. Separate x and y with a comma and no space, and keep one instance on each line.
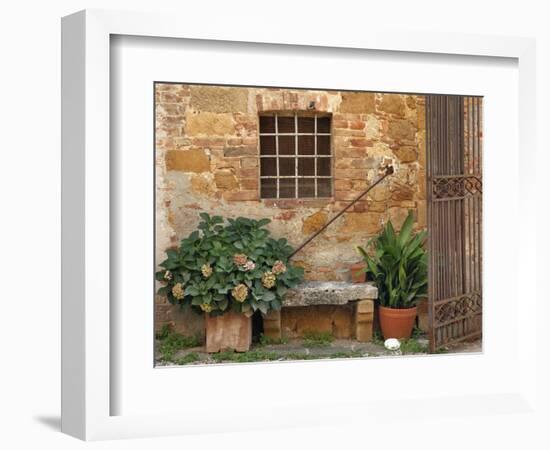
(396,323)
(357,273)
(230,331)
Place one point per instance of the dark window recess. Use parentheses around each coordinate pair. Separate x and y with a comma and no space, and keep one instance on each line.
(295,156)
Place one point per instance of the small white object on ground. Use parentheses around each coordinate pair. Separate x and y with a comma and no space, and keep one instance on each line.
(392,344)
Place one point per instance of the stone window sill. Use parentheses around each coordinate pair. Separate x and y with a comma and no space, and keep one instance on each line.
(291,203)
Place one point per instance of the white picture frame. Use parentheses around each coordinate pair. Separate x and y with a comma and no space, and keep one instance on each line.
(87,384)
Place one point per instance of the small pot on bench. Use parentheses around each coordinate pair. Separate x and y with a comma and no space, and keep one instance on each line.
(358,272)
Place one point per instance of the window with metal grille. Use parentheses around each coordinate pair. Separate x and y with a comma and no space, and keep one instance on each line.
(295,156)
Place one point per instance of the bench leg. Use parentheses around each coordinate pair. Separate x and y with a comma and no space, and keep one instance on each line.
(272,324)
(364,317)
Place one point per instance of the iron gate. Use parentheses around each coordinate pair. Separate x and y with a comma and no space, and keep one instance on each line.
(454,177)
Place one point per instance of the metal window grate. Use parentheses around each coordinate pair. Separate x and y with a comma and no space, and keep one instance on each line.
(295,156)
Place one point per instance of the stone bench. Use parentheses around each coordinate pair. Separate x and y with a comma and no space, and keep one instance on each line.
(360,296)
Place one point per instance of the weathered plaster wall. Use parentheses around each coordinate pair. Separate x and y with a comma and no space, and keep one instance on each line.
(207,149)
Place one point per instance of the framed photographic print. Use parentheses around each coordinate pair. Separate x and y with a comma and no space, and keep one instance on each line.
(286,227)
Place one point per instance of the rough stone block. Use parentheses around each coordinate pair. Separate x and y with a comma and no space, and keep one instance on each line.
(314,222)
(336,320)
(219,99)
(272,324)
(357,102)
(194,160)
(328,293)
(406,154)
(364,318)
(401,130)
(393,104)
(231,331)
(226,180)
(368,223)
(210,124)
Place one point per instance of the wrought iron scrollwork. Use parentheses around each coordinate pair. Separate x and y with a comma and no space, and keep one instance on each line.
(456,186)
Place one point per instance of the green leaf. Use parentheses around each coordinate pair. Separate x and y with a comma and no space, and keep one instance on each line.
(406,229)
(191,290)
(263,307)
(268,296)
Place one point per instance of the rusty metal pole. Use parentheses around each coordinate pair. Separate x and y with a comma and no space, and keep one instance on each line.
(388,170)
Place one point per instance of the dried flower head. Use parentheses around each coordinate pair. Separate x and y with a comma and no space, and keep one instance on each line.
(206,270)
(240,292)
(168,275)
(278,268)
(249,265)
(177,291)
(206,307)
(268,279)
(240,259)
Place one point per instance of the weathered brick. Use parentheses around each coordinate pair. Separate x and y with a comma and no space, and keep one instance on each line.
(340,123)
(357,124)
(249,183)
(249,162)
(360,143)
(241,195)
(248,172)
(342,185)
(240,151)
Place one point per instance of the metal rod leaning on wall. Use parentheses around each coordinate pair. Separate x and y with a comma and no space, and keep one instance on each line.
(388,170)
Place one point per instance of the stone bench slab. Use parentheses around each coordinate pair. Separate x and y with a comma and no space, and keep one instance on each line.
(313,293)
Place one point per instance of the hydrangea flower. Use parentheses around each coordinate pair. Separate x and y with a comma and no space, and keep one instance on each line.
(206,307)
(249,265)
(177,291)
(240,259)
(268,279)
(240,292)
(278,268)
(206,270)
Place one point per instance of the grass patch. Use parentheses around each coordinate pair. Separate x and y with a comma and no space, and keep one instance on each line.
(266,340)
(317,338)
(417,332)
(164,332)
(251,356)
(377,338)
(262,356)
(412,346)
(170,343)
(187,359)
(441,351)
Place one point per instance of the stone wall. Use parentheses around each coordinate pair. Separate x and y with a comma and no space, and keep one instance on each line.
(207,159)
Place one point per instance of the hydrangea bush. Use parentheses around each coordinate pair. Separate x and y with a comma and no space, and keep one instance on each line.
(229,265)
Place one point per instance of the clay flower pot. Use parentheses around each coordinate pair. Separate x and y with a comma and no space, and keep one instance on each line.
(230,331)
(396,323)
(357,272)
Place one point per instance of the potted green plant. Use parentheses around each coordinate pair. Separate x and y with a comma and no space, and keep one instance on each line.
(358,272)
(397,263)
(228,270)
